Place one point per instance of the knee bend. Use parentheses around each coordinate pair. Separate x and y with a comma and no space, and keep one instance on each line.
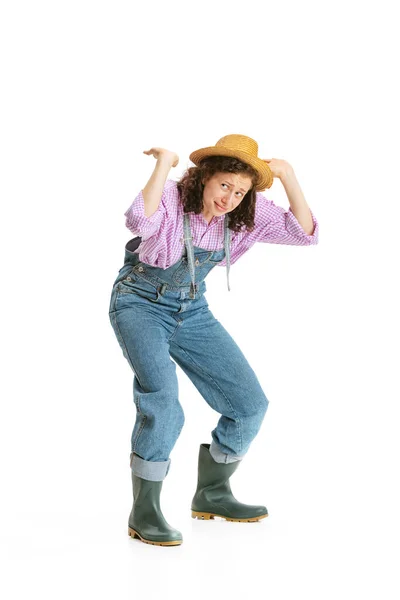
(179,419)
(261,408)
(257,417)
(265,405)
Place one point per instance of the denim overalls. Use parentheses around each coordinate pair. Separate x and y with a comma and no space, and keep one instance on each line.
(158,314)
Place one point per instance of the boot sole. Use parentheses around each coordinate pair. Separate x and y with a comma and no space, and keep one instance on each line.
(134,534)
(207,516)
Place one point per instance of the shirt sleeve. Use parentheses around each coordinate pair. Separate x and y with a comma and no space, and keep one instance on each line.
(138,223)
(275,225)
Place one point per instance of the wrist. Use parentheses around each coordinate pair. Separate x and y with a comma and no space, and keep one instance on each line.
(163,166)
(288,175)
(165,160)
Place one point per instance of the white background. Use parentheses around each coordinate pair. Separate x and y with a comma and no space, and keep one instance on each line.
(86,87)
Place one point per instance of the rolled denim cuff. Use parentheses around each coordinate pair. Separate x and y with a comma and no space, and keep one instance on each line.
(222,457)
(146,469)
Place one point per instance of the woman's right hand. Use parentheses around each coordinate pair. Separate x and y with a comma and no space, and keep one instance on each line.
(162,154)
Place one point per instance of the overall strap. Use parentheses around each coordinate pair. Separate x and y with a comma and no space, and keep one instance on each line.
(227,244)
(190,252)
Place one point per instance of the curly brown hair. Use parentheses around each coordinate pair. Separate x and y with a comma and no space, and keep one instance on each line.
(191,189)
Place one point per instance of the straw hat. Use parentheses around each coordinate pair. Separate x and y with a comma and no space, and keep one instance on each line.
(242,147)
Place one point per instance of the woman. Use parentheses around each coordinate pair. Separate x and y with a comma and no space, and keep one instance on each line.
(158,310)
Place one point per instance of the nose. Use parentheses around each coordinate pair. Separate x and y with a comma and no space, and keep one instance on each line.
(227,198)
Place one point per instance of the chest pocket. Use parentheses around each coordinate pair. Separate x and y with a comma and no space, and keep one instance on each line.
(217,257)
(202,265)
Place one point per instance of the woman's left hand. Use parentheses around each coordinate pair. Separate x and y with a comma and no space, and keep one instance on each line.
(279,167)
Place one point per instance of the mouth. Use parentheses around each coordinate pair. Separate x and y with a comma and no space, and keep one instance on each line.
(219,207)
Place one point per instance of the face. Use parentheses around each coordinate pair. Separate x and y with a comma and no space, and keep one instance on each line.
(223,192)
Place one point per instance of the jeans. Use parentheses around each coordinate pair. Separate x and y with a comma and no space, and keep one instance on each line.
(159,325)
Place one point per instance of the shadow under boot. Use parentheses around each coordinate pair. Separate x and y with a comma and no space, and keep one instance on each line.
(146,520)
(214,498)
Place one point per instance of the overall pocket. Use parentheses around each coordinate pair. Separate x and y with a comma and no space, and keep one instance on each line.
(123,273)
(217,256)
(182,273)
(138,286)
(215,261)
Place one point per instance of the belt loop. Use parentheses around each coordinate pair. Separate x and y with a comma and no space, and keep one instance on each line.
(194,288)
(163,288)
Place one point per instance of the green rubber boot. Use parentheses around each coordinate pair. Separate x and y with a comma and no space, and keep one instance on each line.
(146,520)
(214,498)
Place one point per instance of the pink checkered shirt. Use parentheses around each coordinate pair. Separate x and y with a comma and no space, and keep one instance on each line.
(162,233)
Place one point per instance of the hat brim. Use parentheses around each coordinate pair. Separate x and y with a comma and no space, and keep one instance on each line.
(266,178)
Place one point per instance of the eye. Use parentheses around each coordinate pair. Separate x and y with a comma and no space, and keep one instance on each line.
(240,193)
(224,184)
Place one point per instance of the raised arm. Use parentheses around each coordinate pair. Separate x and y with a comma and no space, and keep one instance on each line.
(299,207)
(153,189)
